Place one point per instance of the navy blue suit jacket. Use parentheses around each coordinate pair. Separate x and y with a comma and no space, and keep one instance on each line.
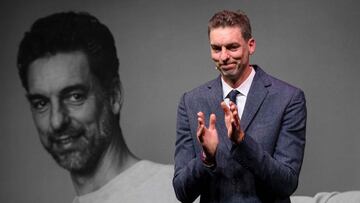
(263,168)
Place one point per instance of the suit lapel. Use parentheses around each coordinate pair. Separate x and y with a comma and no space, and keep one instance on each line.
(257,94)
(255,98)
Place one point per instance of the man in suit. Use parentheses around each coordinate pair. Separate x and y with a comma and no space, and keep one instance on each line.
(69,67)
(240,137)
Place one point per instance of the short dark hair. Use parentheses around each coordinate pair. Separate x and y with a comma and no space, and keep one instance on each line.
(67,32)
(228,18)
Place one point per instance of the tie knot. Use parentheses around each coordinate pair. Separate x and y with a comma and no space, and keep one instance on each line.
(232,95)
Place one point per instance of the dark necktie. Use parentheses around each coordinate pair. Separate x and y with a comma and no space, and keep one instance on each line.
(232,95)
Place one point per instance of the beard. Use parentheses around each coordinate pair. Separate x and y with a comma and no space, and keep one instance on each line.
(87,148)
(231,74)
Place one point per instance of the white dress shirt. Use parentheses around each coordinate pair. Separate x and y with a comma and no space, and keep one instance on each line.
(243,89)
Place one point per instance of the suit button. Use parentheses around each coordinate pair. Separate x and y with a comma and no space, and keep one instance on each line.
(235,180)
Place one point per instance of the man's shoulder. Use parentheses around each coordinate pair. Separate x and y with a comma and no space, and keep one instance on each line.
(214,83)
(275,84)
(145,181)
(154,167)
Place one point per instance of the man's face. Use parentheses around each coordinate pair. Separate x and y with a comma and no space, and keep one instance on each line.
(72,116)
(230,51)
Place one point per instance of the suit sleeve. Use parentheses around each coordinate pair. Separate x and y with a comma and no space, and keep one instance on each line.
(190,173)
(278,172)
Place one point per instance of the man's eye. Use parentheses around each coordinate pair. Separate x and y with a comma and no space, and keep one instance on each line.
(39,104)
(233,48)
(76,98)
(216,49)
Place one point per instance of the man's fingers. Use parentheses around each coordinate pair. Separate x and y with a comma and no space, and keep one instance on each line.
(235,116)
(234,109)
(201,116)
(225,108)
(212,121)
(232,106)
(201,126)
(200,133)
(236,119)
(201,120)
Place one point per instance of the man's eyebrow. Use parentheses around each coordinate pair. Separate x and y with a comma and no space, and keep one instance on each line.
(71,88)
(214,46)
(233,44)
(225,45)
(31,97)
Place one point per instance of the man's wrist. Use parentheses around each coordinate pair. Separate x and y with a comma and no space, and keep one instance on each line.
(207,161)
(239,139)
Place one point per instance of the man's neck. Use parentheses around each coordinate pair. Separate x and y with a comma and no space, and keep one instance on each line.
(116,159)
(236,82)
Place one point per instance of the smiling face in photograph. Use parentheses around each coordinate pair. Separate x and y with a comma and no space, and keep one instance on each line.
(71,113)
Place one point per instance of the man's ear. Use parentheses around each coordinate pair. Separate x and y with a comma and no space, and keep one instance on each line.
(116,96)
(251,45)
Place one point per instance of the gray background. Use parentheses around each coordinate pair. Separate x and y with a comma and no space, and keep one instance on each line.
(164,51)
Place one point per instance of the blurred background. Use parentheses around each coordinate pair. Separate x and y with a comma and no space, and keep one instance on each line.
(164,51)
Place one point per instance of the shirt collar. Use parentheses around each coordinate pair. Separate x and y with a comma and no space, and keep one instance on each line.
(243,88)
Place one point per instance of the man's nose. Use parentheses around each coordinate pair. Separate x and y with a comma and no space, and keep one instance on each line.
(224,55)
(58,117)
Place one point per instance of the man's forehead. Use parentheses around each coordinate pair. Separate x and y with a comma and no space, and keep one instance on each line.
(226,27)
(225,35)
(53,73)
